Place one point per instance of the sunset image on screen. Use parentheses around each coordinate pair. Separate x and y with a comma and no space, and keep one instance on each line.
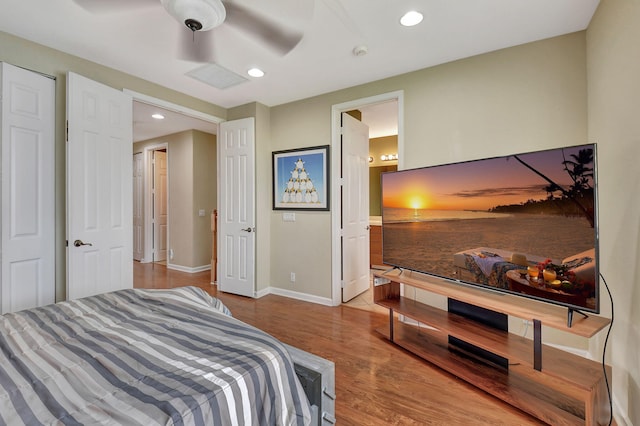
(540,205)
(479,185)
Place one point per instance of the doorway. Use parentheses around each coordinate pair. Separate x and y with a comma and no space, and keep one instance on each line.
(145,128)
(338,181)
(150,203)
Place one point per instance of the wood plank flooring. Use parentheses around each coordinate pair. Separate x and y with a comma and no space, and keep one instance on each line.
(377,383)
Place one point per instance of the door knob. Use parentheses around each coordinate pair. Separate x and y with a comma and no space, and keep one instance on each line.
(78,243)
(249,229)
(368,227)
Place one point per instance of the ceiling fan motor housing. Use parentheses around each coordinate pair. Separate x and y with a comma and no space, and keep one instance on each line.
(209,13)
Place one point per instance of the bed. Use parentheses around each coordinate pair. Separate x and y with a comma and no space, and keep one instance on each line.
(171,357)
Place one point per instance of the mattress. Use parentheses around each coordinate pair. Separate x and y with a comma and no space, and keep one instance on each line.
(171,357)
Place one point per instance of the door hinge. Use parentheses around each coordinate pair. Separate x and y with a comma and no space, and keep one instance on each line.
(341,283)
(66,243)
(67,131)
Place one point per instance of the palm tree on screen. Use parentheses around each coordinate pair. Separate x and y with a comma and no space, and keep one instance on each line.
(580,170)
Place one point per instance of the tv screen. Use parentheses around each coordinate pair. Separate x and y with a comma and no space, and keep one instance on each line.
(524,224)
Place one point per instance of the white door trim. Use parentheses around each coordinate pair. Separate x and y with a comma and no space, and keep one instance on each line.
(336,204)
(150,100)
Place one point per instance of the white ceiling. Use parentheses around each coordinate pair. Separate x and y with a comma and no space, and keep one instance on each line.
(138,38)
(145,127)
(381,118)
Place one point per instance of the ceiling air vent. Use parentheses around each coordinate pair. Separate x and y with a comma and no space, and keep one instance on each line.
(216,76)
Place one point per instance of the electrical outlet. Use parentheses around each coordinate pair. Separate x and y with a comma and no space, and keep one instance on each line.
(170,253)
(293,277)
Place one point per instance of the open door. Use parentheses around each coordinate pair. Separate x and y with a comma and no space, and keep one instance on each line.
(236,201)
(99,188)
(355,207)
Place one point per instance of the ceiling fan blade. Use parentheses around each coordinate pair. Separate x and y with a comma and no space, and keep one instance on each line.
(273,34)
(196,47)
(105,6)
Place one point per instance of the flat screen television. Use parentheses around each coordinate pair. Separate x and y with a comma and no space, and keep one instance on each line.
(524,224)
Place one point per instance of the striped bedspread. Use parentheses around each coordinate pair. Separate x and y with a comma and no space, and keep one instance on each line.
(170,357)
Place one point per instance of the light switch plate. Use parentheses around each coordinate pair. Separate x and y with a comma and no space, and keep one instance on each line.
(288,217)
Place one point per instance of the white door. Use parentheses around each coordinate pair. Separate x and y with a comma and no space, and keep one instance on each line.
(138,206)
(355,207)
(236,207)
(28,203)
(99,188)
(160,206)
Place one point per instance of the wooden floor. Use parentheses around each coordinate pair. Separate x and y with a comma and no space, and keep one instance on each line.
(377,383)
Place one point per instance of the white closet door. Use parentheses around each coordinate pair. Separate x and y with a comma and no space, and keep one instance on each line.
(138,206)
(28,229)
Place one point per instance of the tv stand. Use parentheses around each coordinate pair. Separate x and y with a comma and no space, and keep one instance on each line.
(570,316)
(393,268)
(555,386)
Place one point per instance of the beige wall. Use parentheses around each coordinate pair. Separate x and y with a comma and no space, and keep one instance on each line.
(375,188)
(181,218)
(303,246)
(204,195)
(524,98)
(383,145)
(191,156)
(613,67)
(377,147)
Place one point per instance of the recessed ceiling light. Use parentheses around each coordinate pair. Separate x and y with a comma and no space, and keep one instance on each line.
(255,72)
(158,116)
(411,18)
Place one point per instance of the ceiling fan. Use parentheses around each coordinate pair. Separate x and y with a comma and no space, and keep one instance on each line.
(199,17)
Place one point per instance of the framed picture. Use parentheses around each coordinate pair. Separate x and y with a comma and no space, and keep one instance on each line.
(301,179)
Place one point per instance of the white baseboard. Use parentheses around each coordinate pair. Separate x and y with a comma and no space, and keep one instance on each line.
(188,269)
(622,419)
(263,292)
(295,295)
(580,352)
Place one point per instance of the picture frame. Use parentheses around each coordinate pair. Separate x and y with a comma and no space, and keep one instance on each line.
(301,179)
